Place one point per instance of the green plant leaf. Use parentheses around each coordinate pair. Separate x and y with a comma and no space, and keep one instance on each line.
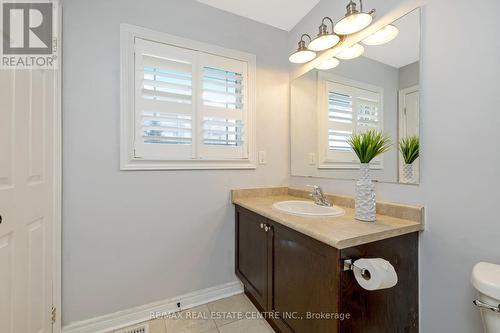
(410,148)
(368,145)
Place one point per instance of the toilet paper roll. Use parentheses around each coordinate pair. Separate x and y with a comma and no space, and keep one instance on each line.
(381,274)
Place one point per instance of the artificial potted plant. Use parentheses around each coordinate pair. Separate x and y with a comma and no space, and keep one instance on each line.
(367,145)
(410,149)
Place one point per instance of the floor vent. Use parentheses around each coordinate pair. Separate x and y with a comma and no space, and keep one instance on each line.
(143,328)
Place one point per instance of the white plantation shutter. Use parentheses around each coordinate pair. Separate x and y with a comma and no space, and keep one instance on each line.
(368,108)
(222,108)
(340,120)
(189,105)
(350,109)
(164,101)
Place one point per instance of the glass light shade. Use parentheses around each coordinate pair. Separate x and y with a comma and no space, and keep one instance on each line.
(384,35)
(329,64)
(351,52)
(324,42)
(302,56)
(352,23)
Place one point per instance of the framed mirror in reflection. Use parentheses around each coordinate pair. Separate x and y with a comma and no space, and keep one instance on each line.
(371,85)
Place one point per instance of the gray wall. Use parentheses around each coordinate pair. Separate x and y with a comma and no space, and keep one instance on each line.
(409,75)
(460,182)
(131,238)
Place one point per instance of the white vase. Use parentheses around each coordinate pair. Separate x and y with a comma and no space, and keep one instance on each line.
(408,174)
(365,206)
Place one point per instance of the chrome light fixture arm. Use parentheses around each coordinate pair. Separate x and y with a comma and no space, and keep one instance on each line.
(323,28)
(302,43)
(303,53)
(325,39)
(351,8)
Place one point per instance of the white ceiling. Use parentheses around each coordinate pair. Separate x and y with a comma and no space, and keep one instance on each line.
(403,50)
(267,11)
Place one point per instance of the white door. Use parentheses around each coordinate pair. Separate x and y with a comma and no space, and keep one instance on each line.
(409,122)
(28,104)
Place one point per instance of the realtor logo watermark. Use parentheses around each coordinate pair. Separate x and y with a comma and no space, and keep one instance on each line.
(29,35)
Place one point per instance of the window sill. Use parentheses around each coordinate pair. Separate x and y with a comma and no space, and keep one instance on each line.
(347,166)
(138,165)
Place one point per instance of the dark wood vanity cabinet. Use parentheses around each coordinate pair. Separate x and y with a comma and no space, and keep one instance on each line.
(253,262)
(299,285)
(305,281)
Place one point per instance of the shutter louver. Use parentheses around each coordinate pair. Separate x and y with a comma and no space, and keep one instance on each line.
(223,105)
(164,101)
(339,107)
(166,111)
(367,114)
(224,132)
(222,90)
(340,116)
(337,140)
(166,128)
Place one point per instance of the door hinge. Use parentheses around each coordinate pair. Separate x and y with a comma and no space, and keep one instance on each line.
(53,315)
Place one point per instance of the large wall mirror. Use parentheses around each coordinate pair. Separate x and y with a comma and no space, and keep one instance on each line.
(375,85)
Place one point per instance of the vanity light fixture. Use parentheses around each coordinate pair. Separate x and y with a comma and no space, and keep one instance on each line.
(303,54)
(324,40)
(354,20)
(382,36)
(329,64)
(351,52)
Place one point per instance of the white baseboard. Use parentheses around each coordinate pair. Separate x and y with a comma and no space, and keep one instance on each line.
(142,313)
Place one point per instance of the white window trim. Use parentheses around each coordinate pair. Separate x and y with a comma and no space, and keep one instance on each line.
(324,162)
(128,33)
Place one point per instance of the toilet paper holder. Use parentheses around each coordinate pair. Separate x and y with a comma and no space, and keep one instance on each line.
(350,266)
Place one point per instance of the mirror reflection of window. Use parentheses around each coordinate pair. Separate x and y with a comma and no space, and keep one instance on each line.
(350,107)
(376,89)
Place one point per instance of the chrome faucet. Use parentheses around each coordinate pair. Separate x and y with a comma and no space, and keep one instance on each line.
(319,197)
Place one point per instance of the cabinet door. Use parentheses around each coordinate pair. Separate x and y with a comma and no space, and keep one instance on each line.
(252,255)
(305,281)
(387,310)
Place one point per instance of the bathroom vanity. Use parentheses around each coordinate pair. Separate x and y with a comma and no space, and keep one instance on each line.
(292,267)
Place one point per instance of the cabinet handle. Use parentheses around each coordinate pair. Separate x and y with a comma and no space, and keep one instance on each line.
(266,228)
(262,225)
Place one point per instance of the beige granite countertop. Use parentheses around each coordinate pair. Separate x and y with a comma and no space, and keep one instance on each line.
(340,232)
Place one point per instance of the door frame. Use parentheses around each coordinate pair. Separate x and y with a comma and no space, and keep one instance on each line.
(401,115)
(57,185)
(402,105)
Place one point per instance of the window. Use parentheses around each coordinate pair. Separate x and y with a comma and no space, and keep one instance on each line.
(185,104)
(346,107)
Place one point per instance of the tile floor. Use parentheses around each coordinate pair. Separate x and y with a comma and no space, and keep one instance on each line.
(198,319)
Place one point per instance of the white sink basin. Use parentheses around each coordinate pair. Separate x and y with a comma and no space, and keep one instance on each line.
(307,208)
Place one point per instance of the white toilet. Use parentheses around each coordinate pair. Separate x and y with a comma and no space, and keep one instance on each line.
(486,279)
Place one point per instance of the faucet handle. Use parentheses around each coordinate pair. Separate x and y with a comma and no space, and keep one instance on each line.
(316,189)
(318,196)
